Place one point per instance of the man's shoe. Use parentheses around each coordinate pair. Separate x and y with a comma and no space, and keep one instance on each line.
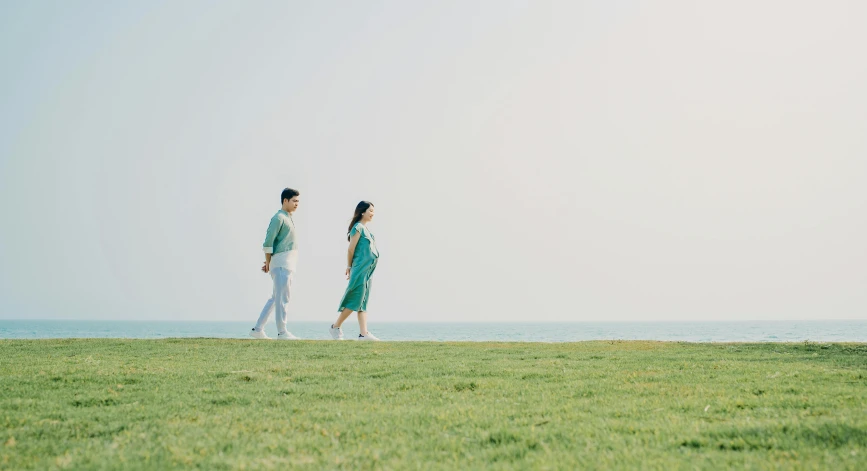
(259,334)
(286,336)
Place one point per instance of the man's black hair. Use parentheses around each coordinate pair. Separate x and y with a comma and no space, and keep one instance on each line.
(288,194)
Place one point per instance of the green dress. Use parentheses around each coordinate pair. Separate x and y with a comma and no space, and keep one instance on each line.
(363,264)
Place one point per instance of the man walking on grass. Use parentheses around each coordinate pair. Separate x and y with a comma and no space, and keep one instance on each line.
(281,258)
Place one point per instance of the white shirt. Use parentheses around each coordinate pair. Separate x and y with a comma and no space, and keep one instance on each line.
(287,260)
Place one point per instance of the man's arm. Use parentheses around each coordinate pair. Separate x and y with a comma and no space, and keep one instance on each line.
(268,245)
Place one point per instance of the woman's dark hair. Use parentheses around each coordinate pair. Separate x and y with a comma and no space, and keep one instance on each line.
(359,210)
(288,194)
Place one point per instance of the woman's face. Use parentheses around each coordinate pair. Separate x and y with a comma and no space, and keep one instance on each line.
(367,215)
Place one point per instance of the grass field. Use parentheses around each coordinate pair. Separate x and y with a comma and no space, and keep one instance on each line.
(234,404)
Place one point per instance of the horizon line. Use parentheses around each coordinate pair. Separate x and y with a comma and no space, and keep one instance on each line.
(46,319)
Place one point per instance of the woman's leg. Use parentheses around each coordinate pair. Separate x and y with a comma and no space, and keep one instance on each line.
(342,317)
(362,322)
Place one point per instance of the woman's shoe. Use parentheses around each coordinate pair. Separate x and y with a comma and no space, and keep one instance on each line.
(336,332)
(368,337)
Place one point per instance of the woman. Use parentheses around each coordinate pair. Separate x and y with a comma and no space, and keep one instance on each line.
(360,264)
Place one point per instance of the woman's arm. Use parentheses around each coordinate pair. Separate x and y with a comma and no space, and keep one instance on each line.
(353,241)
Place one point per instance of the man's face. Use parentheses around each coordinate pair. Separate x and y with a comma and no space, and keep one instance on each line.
(292,204)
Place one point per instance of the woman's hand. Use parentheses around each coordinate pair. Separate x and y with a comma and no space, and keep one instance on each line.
(350,254)
(265,267)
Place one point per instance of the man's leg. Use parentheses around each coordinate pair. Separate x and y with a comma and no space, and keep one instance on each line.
(282,287)
(268,309)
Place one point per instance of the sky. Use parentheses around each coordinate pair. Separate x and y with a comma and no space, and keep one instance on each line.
(555,161)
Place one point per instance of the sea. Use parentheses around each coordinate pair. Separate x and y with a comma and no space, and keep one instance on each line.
(753,331)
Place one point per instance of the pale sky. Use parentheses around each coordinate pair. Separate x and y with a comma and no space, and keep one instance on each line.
(529,161)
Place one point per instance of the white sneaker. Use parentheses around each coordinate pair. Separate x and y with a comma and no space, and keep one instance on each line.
(259,334)
(336,332)
(287,336)
(368,337)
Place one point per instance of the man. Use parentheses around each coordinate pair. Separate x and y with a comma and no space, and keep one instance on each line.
(281,257)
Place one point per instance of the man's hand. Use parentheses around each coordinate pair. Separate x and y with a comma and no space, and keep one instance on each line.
(265,267)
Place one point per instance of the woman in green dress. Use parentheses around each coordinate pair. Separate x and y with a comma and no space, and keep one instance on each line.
(361,262)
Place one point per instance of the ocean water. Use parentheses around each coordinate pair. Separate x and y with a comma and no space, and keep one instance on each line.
(768,331)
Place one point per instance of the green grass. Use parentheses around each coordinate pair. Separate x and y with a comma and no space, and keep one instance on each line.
(234,404)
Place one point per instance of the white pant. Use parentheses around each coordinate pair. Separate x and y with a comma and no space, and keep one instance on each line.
(279,301)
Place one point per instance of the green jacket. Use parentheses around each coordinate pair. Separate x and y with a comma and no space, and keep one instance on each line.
(281,234)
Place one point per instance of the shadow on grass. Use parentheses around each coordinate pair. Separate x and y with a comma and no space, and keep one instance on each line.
(508,445)
(781,437)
